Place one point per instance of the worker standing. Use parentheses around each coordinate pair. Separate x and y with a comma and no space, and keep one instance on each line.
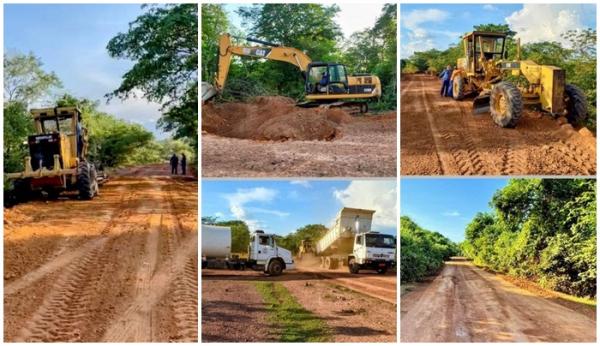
(445,76)
(183,163)
(174,163)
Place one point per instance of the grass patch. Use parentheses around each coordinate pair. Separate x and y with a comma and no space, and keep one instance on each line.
(295,323)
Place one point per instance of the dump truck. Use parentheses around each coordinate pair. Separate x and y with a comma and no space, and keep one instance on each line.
(57,159)
(352,243)
(325,83)
(263,253)
(503,87)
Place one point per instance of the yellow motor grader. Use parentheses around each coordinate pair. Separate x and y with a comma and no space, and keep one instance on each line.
(325,82)
(57,159)
(484,71)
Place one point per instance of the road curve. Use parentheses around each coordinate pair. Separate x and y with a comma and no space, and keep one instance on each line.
(467,304)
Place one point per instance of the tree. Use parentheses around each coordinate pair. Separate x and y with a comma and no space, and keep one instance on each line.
(24,79)
(163,42)
(214,23)
(17,126)
(240,235)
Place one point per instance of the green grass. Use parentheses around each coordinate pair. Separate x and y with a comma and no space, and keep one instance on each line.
(295,323)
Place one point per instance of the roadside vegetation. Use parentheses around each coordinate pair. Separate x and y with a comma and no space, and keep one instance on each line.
(292,321)
(543,230)
(310,28)
(578,61)
(422,252)
(114,141)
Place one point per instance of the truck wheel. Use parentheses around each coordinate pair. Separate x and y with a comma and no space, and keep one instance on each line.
(352,266)
(382,270)
(506,105)
(576,103)
(275,268)
(86,183)
(458,84)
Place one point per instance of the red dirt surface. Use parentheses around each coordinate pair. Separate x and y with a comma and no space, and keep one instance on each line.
(467,304)
(441,136)
(352,305)
(273,138)
(122,267)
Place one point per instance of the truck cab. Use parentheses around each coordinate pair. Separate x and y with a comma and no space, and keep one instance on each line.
(264,254)
(374,251)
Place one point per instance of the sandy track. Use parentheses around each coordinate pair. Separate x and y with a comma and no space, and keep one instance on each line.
(441,136)
(467,304)
(367,148)
(357,308)
(119,268)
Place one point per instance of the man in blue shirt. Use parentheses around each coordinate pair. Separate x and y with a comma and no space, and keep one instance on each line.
(445,76)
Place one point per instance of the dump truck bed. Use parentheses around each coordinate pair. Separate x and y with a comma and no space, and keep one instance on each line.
(339,239)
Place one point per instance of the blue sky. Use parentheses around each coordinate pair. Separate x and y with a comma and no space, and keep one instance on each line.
(282,206)
(426,26)
(351,18)
(71,41)
(446,205)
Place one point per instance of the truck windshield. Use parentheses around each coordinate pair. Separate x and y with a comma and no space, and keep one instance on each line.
(380,240)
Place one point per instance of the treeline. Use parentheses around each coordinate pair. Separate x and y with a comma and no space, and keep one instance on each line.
(422,252)
(540,229)
(112,141)
(579,61)
(240,234)
(310,28)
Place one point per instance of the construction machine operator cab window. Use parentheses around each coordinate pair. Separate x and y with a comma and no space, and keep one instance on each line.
(327,78)
(61,123)
(491,47)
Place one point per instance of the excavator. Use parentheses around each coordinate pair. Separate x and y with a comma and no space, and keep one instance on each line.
(326,83)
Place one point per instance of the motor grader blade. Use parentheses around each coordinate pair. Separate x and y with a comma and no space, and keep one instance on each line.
(208,91)
(481,104)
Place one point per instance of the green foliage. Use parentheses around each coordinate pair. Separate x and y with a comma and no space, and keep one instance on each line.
(17,126)
(240,235)
(292,321)
(540,229)
(422,252)
(163,42)
(214,23)
(24,79)
(312,232)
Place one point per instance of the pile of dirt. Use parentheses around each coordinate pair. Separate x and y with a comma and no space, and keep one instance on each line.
(273,118)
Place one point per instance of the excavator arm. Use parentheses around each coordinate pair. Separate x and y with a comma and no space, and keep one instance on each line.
(269,51)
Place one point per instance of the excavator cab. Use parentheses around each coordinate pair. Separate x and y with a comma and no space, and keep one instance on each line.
(326,78)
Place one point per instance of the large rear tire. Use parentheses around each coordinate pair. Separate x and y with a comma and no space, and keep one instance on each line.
(458,84)
(86,180)
(353,267)
(576,103)
(506,104)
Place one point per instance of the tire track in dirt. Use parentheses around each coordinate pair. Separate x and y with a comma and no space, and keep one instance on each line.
(435,134)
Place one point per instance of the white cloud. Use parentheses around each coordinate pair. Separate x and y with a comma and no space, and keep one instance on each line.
(357,17)
(267,211)
(546,22)
(490,7)
(239,200)
(303,183)
(372,194)
(453,213)
(418,37)
(219,215)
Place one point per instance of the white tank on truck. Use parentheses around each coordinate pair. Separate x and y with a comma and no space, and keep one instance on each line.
(351,242)
(263,252)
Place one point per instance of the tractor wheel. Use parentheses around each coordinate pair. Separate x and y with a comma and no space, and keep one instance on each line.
(275,267)
(458,85)
(576,103)
(86,180)
(506,105)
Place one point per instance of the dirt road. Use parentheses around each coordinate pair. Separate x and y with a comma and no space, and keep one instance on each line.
(120,268)
(467,304)
(249,140)
(357,310)
(441,136)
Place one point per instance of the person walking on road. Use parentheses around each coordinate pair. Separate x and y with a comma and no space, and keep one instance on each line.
(183,163)
(445,76)
(174,163)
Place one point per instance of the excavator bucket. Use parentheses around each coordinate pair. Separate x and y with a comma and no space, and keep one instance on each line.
(481,104)
(208,91)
